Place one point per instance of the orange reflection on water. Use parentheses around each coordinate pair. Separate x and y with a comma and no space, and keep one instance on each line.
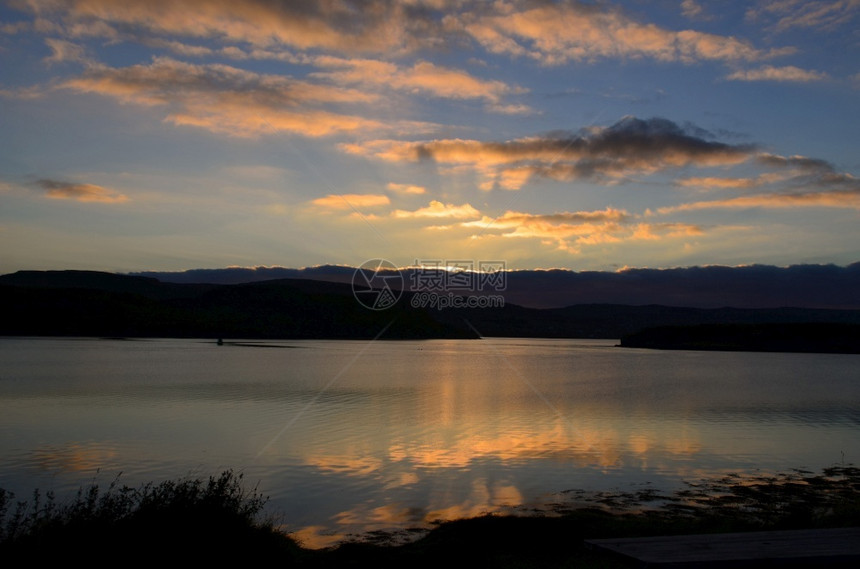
(483,498)
(354,465)
(317,537)
(75,457)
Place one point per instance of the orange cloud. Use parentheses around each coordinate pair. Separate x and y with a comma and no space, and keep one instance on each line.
(373,26)
(439,209)
(515,219)
(835,198)
(79,192)
(556,33)
(422,77)
(351,201)
(225,99)
(569,231)
(735,183)
(713,182)
(406,188)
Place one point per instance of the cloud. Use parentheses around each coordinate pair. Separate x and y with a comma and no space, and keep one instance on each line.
(422,77)
(437,209)
(849,199)
(79,192)
(406,188)
(512,109)
(784,15)
(693,10)
(62,51)
(347,26)
(575,31)
(803,163)
(511,219)
(552,33)
(770,73)
(713,182)
(225,99)
(351,201)
(569,231)
(32,92)
(806,182)
(601,154)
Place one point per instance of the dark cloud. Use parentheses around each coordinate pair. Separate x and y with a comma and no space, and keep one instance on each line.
(800,162)
(630,146)
(57,189)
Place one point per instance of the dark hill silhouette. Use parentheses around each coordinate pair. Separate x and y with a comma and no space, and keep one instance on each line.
(87,303)
(96,280)
(75,303)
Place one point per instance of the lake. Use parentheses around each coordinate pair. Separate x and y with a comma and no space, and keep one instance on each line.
(348,437)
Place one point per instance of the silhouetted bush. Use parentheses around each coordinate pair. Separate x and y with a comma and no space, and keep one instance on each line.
(190,519)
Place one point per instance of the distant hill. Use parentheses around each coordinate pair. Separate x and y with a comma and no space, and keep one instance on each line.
(749,286)
(86,303)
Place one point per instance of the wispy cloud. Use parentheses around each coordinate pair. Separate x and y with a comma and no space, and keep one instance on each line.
(512,219)
(796,182)
(771,73)
(714,182)
(61,190)
(65,51)
(834,198)
(821,15)
(693,10)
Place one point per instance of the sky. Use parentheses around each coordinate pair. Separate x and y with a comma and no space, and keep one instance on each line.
(162,135)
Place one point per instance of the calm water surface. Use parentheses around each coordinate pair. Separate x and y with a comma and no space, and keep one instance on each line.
(348,437)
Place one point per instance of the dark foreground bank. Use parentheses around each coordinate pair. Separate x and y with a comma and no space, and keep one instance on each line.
(219,521)
(804,337)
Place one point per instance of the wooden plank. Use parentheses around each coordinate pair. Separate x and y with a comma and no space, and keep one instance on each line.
(794,547)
